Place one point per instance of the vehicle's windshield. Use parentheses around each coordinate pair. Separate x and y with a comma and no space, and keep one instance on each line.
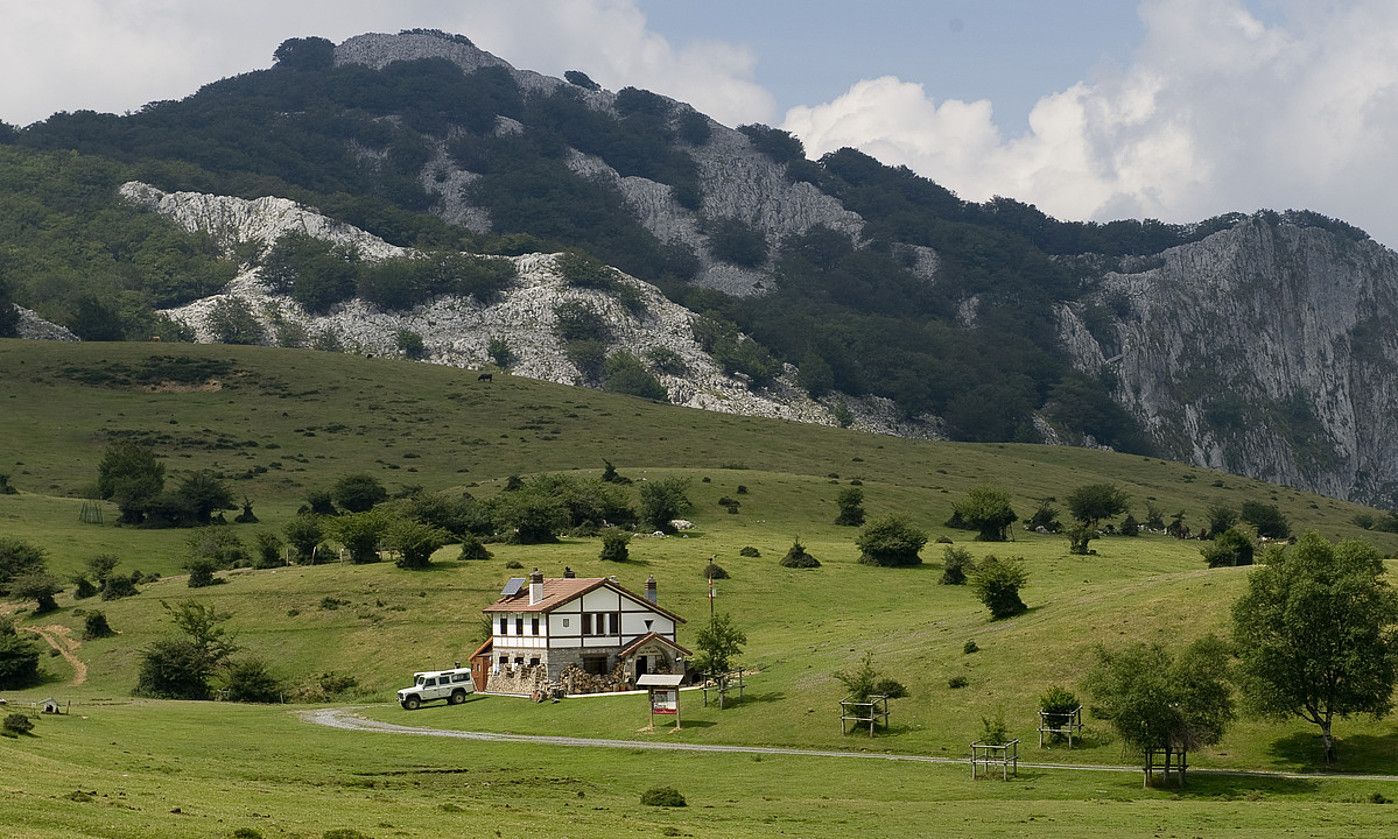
(420,680)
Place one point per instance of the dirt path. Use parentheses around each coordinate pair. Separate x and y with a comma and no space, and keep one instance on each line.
(345,719)
(61,638)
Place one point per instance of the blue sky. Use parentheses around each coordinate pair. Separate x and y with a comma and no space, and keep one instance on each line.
(1009,51)
(1170,109)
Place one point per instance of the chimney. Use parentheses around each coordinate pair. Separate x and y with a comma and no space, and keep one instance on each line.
(569,573)
(536,587)
(650,589)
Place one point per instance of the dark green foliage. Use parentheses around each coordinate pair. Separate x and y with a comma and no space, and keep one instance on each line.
(1091,503)
(500,353)
(663,500)
(624,373)
(305,54)
(1079,539)
(850,500)
(410,344)
(472,548)
(749,551)
(317,274)
(1267,518)
(667,361)
(118,586)
(714,571)
(201,572)
(1155,698)
(92,319)
(232,321)
(987,510)
(304,533)
(796,556)
(1129,526)
(957,682)
(9,315)
(576,321)
(204,493)
(970,647)
(1221,517)
(1155,520)
(130,475)
(18,559)
(7,488)
(19,658)
(581,79)
(530,515)
(1059,703)
(956,564)
(220,546)
(780,146)
(614,542)
(95,626)
(1315,633)
(17,724)
(250,680)
(815,375)
(360,534)
(413,542)
(38,586)
(733,241)
(174,668)
(662,797)
(400,284)
(583,271)
(611,476)
(693,128)
(590,357)
(269,550)
(1229,548)
(891,541)
(1045,516)
(358,492)
(83,588)
(718,644)
(997,583)
(866,682)
(320,503)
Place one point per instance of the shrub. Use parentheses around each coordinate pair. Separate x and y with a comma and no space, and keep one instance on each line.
(1079,537)
(120,586)
(7,488)
(1129,526)
(410,344)
(714,571)
(664,500)
(304,533)
(250,680)
(662,797)
(993,730)
(220,546)
(413,541)
(576,321)
(1058,700)
(500,353)
(997,583)
(174,668)
(319,502)
(985,509)
(796,556)
(360,534)
(891,541)
(589,357)
(17,724)
(851,503)
(1046,517)
(531,515)
(614,542)
(1267,519)
(358,493)
(1232,547)
(667,361)
(624,373)
(19,658)
(693,128)
(1091,503)
(956,564)
(749,551)
(970,647)
(38,586)
(83,588)
(735,242)
(95,626)
(129,475)
(269,550)
(957,682)
(583,271)
(1221,517)
(866,681)
(581,79)
(201,573)
(472,548)
(231,321)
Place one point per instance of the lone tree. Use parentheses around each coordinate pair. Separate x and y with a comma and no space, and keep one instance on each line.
(851,503)
(614,545)
(1089,505)
(664,500)
(304,533)
(414,542)
(358,493)
(867,681)
(1230,548)
(205,493)
(360,534)
(180,667)
(1221,517)
(130,475)
(997,583)
(1317,635)
(986,509)
(891,541)
(532,516)
(719,643)
(1157,700)
(17,559)
(19,658)
(956,564)
(1267,518)
(38,586)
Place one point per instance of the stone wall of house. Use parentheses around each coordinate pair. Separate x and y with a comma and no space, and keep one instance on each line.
(518,679)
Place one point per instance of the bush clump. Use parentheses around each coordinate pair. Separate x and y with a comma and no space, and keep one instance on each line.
(614,545)
(714,571)
(17,724)
(891,541)
(662,797)
(95,626)
(997,583)
(1232,547)
(956,564)
(797,557)
(749,551)
(472,548)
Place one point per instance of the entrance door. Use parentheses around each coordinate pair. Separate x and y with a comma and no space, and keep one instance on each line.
(480,671)
(642,665)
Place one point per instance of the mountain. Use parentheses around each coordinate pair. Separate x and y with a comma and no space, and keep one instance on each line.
(1258,343)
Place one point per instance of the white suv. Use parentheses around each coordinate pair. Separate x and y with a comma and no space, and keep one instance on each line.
(451,685)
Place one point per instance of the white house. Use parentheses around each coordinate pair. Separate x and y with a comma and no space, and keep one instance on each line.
(555,630)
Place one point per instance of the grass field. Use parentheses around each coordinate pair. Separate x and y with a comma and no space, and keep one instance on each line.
(280,422)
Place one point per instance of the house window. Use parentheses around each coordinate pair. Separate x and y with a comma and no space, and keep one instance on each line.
(519,626)
(503,624)
(587,623)
(565,623)
(534,662)
(533,626)
(614,623)
(519,661)
(595,665)
(504,662)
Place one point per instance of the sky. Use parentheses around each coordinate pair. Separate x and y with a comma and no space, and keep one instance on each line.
(1170,109)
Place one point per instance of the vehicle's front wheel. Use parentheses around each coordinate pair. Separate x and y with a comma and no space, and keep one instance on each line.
(412,703)
(457,697)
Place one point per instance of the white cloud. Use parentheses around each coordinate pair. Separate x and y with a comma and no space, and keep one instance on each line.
(116,55)
(1216,111)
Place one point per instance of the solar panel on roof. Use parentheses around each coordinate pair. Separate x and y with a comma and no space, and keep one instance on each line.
(513,586)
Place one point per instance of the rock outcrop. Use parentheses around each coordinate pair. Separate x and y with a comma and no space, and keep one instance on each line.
(1266,349)
(458,330)
(34,328)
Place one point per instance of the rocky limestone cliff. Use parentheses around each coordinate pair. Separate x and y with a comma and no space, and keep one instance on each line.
(457,330)
(31,327)
(735,180)
(1267,349)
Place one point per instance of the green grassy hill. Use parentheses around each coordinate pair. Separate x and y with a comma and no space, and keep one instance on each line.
(278,423)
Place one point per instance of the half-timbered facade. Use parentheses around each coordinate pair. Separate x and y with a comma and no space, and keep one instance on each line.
(542,627)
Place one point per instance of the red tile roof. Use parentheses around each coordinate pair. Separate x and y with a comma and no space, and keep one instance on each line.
(560,590)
